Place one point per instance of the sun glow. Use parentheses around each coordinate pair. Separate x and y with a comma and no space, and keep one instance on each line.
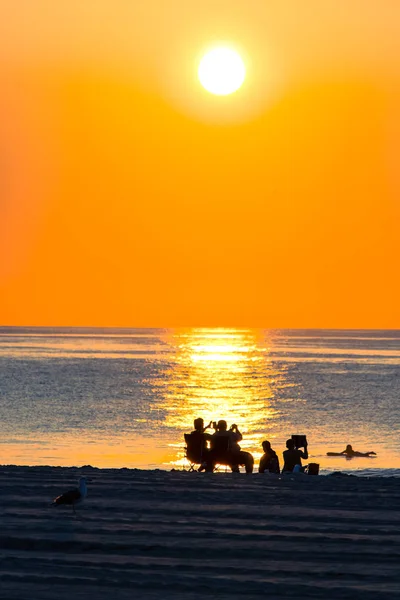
(221,71)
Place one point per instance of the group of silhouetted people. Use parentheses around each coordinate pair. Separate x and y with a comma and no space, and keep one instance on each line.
(222,447)
(269,462)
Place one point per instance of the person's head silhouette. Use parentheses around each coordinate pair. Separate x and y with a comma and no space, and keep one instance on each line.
(198,424)
(266,445)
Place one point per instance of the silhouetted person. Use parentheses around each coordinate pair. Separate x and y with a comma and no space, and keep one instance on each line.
(269,460)
(199,426)
(350,452)
(199,442)
(292,456)
(225,447)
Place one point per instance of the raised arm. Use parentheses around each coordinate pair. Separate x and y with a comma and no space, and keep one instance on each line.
(305,453)
(237,433)
(365,454)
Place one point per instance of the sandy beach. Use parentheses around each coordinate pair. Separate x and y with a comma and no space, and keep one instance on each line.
(158,534)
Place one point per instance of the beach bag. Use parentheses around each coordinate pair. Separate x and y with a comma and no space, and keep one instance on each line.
(313,468)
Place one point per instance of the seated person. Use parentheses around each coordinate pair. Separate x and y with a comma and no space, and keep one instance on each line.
(197,450)
(292,456)
(269,460)
(199,427)
(225,448)
(350,452)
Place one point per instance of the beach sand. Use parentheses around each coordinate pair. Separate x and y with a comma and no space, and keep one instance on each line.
(175,535)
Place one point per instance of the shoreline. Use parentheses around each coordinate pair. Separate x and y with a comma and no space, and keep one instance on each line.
(377,473)
(174,535)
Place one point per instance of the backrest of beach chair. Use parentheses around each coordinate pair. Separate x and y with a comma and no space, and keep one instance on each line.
(194,447)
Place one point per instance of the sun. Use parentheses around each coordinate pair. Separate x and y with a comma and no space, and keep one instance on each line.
(221,71)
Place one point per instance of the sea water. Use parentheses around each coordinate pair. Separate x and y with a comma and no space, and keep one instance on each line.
(125,397)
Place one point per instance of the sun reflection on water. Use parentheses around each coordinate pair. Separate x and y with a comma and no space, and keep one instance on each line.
(220,374)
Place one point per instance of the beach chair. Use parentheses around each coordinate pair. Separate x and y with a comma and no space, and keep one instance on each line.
(219,454)
(193,450)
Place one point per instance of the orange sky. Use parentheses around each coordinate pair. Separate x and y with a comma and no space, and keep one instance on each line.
(131,197)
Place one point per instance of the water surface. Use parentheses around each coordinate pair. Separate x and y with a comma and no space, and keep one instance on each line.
(124,397)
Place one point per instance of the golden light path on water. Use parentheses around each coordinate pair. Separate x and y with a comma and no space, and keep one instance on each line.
(218,375)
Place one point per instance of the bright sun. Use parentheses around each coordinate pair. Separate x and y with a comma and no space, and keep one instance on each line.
(221,71)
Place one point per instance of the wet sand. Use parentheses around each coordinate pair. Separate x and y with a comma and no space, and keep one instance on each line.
(179,535)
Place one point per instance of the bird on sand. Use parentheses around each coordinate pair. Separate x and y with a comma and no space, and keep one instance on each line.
(73,497)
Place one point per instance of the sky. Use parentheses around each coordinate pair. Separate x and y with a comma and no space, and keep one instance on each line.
(131,197)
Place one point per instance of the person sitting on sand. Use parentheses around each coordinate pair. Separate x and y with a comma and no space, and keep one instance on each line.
(198,441)
(292,456)
(269,461)
(225,447)
(349,452)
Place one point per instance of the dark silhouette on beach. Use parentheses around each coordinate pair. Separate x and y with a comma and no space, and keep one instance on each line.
(197,450)
(72,497)
(269,460)
(292,456)
(220,448)
(225,448)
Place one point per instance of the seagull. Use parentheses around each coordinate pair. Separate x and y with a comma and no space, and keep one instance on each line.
(74,496)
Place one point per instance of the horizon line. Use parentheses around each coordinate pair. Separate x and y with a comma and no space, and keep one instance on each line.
(242,327)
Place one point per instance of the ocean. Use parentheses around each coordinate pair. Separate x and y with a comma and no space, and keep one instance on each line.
(115,398)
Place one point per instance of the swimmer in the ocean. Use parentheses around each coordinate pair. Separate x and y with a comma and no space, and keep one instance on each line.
(350,452)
